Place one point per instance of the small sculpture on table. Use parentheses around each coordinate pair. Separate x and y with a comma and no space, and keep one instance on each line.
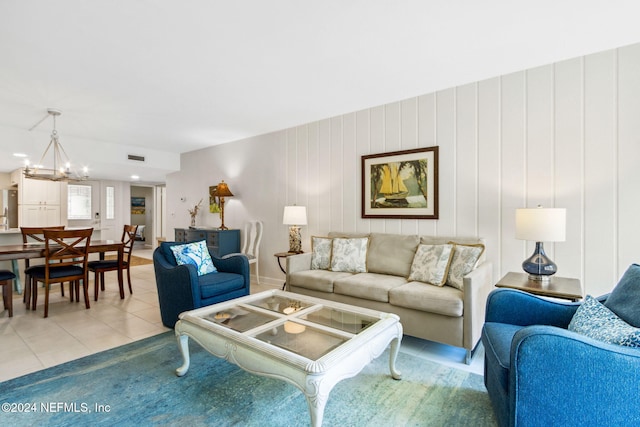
(194,212)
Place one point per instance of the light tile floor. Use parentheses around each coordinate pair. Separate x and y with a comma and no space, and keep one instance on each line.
(29,342)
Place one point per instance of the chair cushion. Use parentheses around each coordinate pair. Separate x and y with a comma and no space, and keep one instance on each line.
(212,285)
(321,252)
(391,253)
(440,300)
(431,264)
(55,272)
(596,321)
(106,264)
(196,254)
(496,338)
(349,254)
(317,280)
(624,300)
(371,286)
(6,275)
(463,260)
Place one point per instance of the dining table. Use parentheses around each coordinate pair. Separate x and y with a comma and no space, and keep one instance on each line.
(17,252)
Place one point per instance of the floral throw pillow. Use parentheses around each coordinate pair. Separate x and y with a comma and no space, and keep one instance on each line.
(431,264)
(196,254)
(349,254)
(321,253)
(596,321)
(463,260)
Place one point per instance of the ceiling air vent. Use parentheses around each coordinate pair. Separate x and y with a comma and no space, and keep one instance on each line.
(136,158)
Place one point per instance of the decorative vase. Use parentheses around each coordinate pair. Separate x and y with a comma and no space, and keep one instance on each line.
(193,221)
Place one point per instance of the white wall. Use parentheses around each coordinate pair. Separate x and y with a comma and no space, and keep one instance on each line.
(561,135)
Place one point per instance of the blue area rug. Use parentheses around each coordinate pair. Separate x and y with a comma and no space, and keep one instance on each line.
(136,384)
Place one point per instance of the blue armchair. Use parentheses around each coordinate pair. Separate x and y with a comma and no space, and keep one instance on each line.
(181,289)
(538,373)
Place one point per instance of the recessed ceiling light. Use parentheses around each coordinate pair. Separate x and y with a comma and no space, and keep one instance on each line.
(135,177)
(19,155)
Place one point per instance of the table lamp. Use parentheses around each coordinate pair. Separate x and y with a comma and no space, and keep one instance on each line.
(540,225)
(222,191)
(295,216)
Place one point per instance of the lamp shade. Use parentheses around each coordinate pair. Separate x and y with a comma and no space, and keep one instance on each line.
(541,224)
(295,215)
(222,190)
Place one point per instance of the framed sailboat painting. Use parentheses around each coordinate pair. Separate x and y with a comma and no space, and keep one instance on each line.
(401,184)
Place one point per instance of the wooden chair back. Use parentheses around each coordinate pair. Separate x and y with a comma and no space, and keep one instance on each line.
(67,248)
(128,238)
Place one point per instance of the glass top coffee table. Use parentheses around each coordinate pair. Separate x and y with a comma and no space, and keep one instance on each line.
(308,342)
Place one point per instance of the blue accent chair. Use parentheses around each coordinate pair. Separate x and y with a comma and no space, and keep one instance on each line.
(538,373)
(181,289)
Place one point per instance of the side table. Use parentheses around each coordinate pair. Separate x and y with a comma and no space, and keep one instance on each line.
(282,255)
(557,287)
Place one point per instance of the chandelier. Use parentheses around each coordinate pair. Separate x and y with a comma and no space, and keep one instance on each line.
(61,170)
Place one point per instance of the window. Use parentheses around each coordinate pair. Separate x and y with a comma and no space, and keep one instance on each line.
(79,201)
(111,202)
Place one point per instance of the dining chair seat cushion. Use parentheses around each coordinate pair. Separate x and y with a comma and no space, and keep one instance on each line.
(38,272)
(106,264)
(6,275)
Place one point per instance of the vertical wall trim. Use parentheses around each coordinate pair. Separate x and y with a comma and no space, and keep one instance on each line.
(477,147)
(500,185)
(616,162)
(455,157)
(583,160)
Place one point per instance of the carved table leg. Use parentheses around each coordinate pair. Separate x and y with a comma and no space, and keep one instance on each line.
(393,354)
(316,403)
(183,343)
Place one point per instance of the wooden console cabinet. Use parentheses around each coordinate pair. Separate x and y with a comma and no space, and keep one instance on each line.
(220,242)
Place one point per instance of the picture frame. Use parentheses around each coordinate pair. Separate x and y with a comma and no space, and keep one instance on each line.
(137,205)
(214,201)
(401,184)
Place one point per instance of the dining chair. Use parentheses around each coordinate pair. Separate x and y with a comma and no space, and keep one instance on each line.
(34,235)
(251,244)
(66,257)
(101,266)
(6,280)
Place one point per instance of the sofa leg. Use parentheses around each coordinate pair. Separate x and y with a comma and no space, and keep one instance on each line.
(467,357)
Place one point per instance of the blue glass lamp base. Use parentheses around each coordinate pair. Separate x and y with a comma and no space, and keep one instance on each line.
(539,266)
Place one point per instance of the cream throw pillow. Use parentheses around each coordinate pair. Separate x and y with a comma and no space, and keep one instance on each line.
(464,259)
(321,253)
(431,264)
(349,255)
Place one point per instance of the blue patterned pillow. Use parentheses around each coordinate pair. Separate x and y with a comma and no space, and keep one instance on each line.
(196,254)
(596,321)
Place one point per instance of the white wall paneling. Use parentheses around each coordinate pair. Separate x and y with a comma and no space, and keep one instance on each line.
(560,135)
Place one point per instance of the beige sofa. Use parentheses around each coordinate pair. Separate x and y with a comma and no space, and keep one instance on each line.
(438,313)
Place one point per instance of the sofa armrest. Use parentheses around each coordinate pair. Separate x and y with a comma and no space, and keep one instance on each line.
(477,286)
(521,308)
(558,377)
(299,262)
(175,287)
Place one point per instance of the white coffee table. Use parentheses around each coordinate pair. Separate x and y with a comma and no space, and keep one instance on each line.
(308,342)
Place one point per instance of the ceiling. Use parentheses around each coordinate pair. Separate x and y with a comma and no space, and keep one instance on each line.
(161,77)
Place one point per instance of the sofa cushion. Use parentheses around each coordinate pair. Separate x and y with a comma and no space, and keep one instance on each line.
(431,264)
(371,286)
(349,254)
(221,283)
(624,300)
(441,300)
(321,252)
(596,321)
(317,280)
(391,253)
(196,254)
(463,260)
